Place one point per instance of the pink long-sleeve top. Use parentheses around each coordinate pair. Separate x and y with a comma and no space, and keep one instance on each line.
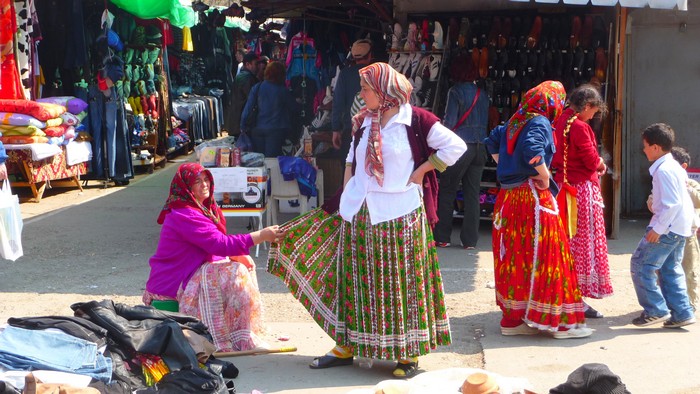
(188,239)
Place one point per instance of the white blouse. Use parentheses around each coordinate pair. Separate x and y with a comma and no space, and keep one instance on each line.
(396,198)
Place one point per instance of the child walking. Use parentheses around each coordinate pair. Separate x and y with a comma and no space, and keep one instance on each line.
(661,249)
(691,252)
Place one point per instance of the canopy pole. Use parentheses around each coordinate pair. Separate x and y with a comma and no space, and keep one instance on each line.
(620,53)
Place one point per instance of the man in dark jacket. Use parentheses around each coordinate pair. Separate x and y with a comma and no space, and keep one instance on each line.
(346,101)
(244,82)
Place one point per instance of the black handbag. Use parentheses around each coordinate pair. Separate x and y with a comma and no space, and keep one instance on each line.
(253,115)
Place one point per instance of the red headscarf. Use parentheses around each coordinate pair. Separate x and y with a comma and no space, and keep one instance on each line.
(181,195)
(546,99)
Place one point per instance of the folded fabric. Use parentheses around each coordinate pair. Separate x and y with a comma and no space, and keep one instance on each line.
(13,119)
(81,115)
(56,131)
(40,110)
(21,130)
(23,139)
(56,140)
(69,119)
(70,133)
(55,121)
(74,105)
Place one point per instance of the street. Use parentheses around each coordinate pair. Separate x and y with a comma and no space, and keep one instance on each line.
(95,245)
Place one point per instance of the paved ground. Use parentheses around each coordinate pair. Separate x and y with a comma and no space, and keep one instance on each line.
(95,244)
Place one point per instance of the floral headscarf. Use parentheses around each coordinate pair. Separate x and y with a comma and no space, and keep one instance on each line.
(181,195)
(546,99)
(392,89)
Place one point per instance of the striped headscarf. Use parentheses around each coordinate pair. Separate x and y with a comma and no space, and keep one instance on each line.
(546,99)
(392,89)
(181,195)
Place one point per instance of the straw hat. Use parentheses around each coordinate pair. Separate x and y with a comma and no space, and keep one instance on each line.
(479,383)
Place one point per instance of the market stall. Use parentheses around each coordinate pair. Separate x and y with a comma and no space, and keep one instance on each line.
(39,166)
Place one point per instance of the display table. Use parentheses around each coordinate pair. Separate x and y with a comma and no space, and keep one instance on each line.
(39,166)
(241,192)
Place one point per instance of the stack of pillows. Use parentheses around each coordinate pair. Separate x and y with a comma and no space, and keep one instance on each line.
(52,120)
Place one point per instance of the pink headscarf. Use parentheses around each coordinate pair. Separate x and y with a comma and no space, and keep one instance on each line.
(392,89)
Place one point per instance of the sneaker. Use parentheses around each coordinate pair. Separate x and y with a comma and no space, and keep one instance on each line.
(572,333)
(645,320)
(678,324)
(443,244)
(522,329)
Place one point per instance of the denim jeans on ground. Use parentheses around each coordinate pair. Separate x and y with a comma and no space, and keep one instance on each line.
(665,290)
(23,349)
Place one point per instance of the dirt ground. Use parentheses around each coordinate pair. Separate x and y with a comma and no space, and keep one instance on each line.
(96,244)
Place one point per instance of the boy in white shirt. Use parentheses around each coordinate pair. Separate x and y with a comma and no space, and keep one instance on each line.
(661,249)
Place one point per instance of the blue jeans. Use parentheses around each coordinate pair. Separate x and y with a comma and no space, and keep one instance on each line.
(23,349)
(665,290)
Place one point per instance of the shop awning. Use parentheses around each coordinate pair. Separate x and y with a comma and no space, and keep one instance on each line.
(661,4)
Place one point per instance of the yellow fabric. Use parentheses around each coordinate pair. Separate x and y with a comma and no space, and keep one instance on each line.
(21,130)
(572,214)
(54,122)
(187,40)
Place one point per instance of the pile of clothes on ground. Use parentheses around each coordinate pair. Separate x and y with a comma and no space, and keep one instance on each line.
(112,348)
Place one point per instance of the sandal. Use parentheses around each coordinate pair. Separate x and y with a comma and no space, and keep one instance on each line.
(405,370)
(330,362)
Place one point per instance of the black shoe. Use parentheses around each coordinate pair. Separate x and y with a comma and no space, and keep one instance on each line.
(405,370)
(591,313)
(645,320)
(329,362)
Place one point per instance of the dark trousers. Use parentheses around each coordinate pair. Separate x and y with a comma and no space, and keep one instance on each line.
(467,171)
(268,141)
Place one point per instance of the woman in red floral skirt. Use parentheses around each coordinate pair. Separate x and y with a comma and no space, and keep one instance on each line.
(536,286)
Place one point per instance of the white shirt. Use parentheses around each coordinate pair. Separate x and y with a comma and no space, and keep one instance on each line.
(396,198)
(672,206)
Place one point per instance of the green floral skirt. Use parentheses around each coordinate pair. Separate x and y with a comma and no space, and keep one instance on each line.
(375,288)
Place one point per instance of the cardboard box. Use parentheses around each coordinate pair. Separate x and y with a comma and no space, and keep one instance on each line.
(207,156)
(223,157)
(240,188)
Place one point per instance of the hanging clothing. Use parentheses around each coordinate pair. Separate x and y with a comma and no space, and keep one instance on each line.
(111,146)
(10,86)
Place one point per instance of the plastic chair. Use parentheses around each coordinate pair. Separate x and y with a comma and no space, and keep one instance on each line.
(287,190)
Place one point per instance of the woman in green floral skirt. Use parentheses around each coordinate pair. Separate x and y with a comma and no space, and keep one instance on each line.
(365,267)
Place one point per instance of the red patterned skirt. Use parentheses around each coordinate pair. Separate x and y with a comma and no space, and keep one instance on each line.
(375,288)
(590,246)
(533,267)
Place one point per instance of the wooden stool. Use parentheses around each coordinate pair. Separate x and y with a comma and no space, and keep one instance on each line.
(166,305)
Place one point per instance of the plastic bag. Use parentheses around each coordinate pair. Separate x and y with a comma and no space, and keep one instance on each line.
(10,224)
(244,143)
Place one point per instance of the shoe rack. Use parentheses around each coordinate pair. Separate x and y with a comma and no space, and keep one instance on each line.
(515,52)
(419,51)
